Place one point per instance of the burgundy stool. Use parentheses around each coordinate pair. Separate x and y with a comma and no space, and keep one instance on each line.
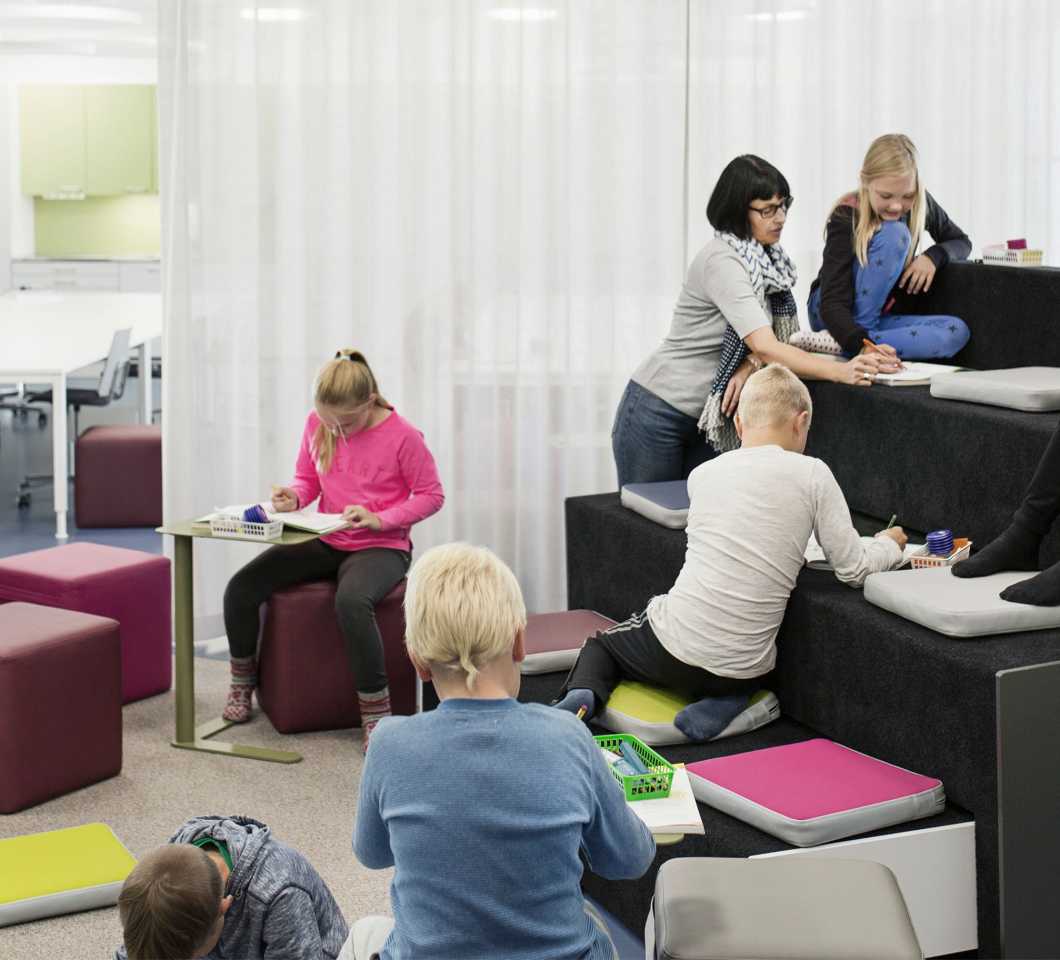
(304,678)
(60,703)
(118,482)
(129,586)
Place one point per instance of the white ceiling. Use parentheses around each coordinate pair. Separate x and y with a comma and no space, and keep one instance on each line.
(90,28)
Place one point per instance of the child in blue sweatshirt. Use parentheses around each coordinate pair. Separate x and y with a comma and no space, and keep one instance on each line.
(486,805)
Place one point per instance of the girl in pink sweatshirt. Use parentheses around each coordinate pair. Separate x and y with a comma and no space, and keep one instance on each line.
(365,461)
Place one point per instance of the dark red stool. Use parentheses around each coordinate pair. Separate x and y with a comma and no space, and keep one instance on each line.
(60,702)
(129,586)
(304,678)
(118,482)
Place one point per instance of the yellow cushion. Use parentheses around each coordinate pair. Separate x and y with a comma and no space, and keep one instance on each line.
(61,871)
(648,713)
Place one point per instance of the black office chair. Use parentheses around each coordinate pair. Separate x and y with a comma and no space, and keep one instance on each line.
(17,401)
(110,387)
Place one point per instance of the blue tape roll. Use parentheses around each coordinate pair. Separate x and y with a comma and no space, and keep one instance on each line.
(255,514)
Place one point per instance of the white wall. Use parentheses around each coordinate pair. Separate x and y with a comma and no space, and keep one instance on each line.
(16,209)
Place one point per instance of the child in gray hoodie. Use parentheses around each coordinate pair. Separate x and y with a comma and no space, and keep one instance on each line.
(224,888)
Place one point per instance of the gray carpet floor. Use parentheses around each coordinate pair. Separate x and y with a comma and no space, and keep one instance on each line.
(309,805)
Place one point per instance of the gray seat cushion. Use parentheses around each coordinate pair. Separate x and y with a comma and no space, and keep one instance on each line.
(784,908)
(1035,389)
(938,600)
(665,503)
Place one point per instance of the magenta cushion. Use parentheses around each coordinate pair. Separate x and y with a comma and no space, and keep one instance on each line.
(60,702)
(118,482)
(814,791)
(304,677)
(129,586)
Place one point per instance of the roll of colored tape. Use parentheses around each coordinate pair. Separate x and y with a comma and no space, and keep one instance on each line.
(940,542)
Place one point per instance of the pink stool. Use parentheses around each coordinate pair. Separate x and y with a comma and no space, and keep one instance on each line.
(304,678)
(60,703)
(119,477)
(129,586)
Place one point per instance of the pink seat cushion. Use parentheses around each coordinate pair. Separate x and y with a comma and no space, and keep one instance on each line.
(814,791)
(553,640)
(60,702)
(129,586)
(119,476)
(811,779)
(304,677)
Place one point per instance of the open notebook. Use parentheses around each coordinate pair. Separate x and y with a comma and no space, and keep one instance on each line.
(295,519)
(816,560)
(914,373)
(677,813)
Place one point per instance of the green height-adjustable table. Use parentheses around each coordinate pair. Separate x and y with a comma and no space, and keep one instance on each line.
(189,736)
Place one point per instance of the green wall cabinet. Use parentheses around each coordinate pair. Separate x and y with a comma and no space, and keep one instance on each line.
(88,140)
(52,131)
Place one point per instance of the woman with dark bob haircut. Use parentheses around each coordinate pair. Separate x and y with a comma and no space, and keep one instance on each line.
(734,314)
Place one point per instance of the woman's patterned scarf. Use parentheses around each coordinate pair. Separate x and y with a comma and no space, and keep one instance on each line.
(773,273)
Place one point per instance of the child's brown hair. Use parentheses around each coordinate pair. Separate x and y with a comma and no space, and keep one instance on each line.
(169,903)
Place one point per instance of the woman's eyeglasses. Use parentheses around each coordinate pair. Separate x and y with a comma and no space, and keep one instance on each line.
(770,211)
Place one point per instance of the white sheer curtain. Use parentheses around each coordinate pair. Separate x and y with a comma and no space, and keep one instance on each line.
(496,202)
(486,198)
(808,84)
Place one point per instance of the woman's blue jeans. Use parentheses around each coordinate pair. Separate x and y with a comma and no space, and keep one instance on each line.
(653,441)
(929,337)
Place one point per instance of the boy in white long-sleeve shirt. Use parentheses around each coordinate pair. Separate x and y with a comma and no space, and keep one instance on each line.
(750,516)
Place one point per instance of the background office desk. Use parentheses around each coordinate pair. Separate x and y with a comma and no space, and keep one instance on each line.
(46,336)
(190,736)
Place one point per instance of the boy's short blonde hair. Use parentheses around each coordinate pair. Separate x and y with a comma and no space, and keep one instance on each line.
(169,903)
(463,608)
(771,397)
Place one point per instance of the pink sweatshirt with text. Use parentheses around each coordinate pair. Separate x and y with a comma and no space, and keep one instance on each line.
(386,469)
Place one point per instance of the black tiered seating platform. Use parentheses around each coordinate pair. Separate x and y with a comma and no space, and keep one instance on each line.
(867,678)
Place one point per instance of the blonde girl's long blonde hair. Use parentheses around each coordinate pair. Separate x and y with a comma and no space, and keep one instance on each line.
(344,383)
(892,155)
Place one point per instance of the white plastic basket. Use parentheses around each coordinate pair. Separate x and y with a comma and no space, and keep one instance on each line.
(236,529)
(1013,258)
(927,561)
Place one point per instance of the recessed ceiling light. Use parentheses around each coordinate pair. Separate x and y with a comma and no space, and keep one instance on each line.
(273,14)
(780,16)
(523,14)
(67,11)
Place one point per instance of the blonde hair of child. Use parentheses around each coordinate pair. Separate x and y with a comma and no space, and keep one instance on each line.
(343,384)
(463,609)
(891,155)
(169,903)
(771,397)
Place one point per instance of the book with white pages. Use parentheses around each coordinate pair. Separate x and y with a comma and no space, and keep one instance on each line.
(816,560)
(308,520)
(677,813)
(914,373)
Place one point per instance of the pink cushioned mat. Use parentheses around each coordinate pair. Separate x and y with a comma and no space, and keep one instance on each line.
(814,791)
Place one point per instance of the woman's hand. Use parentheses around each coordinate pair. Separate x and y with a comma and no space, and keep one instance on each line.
(860,371)
(358,517)
(730,400)
(918,275)
(888,355)
(284,499)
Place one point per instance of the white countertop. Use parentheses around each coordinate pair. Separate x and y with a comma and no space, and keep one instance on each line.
(141,258)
